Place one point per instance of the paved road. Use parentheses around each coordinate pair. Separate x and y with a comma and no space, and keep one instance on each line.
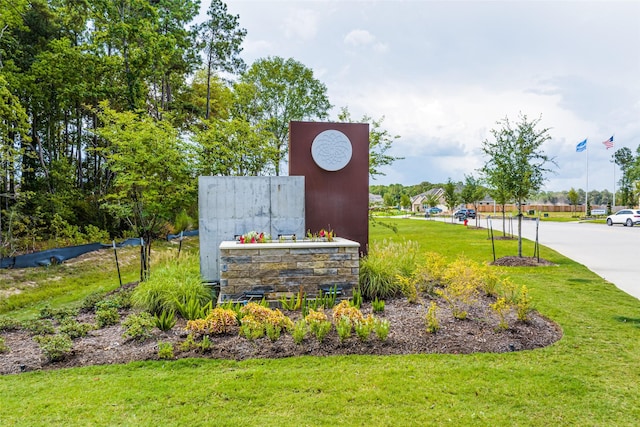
(610,252)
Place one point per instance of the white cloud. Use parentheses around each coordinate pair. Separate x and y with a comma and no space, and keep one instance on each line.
(359,38)
(450,70)
(301,24)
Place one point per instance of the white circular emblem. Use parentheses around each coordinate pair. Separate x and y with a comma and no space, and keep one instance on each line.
(331,150)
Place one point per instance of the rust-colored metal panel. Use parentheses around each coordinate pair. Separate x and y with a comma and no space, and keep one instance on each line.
(336,199)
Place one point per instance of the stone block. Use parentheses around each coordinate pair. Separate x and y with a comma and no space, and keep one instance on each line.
(325,271)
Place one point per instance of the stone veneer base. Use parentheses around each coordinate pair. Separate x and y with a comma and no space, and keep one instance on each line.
(283,268)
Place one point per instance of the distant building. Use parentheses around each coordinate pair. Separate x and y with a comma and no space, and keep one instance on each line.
(419,202)
(375,200)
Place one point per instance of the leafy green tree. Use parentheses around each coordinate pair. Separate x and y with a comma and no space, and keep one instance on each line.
(232,148)
(389,200)
(624,158)
(380,142)
(174,53)
(152,178)
(275,91)
(221,37)
(574,199)
(501,196)
(472,192)
(191,104)
(14,128)
(516,159)
(451,196)
(405,201)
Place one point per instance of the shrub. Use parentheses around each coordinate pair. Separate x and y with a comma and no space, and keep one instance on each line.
(3,346)
(59,314)
(364,328)
(315,316)
(376,278)
(321,330)
(273,331)
(259,312)
(408,288)
(490,281)
(343,327)
(107,316)
(193,308)
(501,307)
(218,321)
(90,301)
(165,350)
(235,307)
(251,328)
(461,281)
(95,234)
(171,284)
(356,298)
(431,270)
(381,328)
(523,305)
(74,329)
(138,326)
(7,324)
(206,344)
(377,305)
(55,347)
(108,303)
(122,298)
(385,261)
(345,310)
(166,321)
(188,344)
(39,326)
(260,320)
(183,221)
(300,330)
(431,318)
(509,290)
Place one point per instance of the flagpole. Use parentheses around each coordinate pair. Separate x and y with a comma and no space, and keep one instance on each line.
(586,196)
(614,187)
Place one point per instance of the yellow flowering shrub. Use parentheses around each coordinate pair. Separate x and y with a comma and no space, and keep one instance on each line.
(345,310)
(217,321)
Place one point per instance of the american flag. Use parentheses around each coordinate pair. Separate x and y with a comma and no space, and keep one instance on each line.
(608,143)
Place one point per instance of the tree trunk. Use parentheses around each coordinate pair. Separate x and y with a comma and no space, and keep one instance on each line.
(519,230)
(208,109)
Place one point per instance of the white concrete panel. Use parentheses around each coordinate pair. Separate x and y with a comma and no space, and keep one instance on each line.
(229,206)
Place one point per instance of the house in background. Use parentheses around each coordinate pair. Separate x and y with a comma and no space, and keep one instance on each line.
(375,201)
(419,202)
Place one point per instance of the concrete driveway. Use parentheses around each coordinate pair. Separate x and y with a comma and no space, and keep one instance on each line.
(610,252)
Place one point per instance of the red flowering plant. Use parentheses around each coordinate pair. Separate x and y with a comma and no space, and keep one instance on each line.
(254,237)
(321,235)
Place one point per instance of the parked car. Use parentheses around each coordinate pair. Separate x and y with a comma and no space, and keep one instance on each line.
(461,214)
(626,217)
(434,211)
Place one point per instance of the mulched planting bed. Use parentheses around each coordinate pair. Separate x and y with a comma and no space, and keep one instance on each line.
(408,335)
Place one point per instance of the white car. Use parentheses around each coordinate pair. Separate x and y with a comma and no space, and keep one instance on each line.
(627,217)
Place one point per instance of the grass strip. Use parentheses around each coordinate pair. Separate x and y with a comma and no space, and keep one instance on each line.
(589,377)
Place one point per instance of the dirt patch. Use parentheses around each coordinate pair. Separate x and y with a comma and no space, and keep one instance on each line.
(408,335)
(516,261)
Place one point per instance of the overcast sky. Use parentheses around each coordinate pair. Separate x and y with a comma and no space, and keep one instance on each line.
(442,73)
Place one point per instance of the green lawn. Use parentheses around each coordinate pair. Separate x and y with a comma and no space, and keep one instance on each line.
(591,377)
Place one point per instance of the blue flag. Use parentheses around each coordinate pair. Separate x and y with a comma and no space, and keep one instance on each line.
(581,146)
